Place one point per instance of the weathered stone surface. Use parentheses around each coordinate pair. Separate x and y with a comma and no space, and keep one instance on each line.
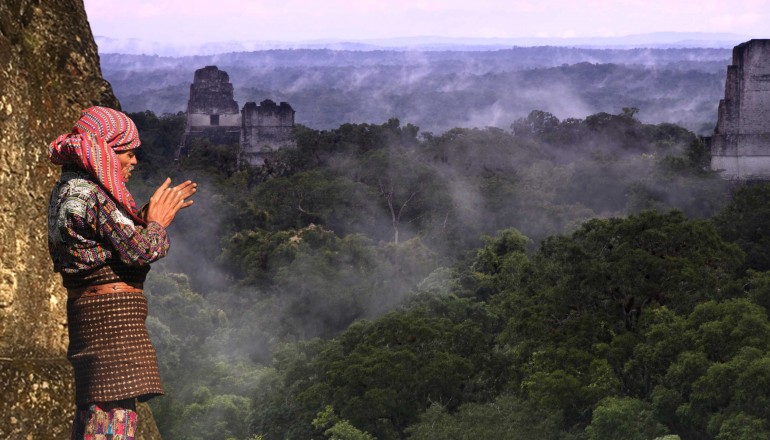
(211,92)
(740,146)
(266,127)
(36,398)
(37,401)
(49,72)
(212,112)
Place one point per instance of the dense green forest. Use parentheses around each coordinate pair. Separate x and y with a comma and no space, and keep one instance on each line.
(440,90)
(555,279)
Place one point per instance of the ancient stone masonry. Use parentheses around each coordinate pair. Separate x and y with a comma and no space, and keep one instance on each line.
(213,114)
(265,127)
(740,145)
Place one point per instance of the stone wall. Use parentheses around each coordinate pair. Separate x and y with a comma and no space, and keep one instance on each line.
(49,72)
(212,112)
(266,128)
(203,121)
(740,146)
(211,93)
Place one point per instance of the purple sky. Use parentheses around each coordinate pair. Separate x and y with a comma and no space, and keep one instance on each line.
(196,21)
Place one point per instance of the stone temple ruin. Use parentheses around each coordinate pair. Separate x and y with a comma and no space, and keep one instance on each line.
(740,145)
(212,113)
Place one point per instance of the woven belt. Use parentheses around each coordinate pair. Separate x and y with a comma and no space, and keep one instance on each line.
(102,289)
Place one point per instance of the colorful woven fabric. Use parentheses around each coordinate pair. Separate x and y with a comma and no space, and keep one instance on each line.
(88,230)
(106,421)
(92,241)
(92,146)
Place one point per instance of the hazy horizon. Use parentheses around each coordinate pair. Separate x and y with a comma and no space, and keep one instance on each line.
(193,23)
(660,40)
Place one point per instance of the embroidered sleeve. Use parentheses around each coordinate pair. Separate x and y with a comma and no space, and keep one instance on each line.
(134,245)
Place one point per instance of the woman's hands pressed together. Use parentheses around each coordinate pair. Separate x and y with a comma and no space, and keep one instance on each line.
(167,201)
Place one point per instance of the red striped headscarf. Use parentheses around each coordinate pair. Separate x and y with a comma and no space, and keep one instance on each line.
(92,145)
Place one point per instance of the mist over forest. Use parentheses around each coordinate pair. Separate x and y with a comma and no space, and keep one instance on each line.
(521,242)
(440,90)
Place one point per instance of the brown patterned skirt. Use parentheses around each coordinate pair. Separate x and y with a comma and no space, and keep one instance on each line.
(110,348)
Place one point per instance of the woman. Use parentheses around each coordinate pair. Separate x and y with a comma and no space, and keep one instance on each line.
(103,246)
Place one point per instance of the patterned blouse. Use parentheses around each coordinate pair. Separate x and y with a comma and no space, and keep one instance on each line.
(88,230)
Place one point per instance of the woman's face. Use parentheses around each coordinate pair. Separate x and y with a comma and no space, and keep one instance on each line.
(127,160)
